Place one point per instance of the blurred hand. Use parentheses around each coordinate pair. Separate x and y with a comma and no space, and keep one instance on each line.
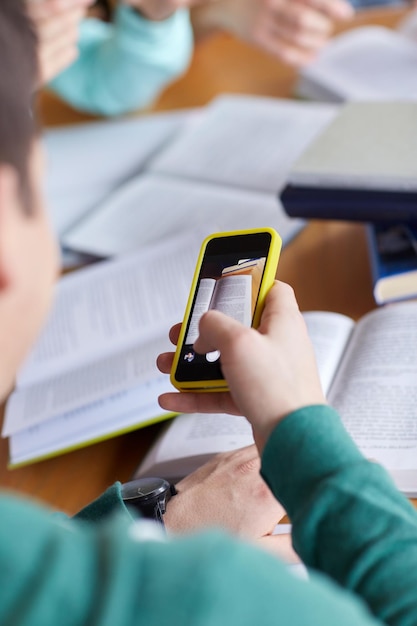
(56,23)
(293,31)
(270,371)
(228,493)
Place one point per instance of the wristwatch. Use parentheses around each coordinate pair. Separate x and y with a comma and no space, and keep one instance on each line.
(149,496)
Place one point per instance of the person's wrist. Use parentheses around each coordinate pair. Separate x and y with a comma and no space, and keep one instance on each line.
(262,432)
(169,518)
(175,518)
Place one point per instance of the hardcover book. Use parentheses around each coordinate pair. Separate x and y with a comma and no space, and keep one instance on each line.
(363,166)
(393,256)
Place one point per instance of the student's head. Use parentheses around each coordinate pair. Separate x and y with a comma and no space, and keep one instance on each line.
(28,259)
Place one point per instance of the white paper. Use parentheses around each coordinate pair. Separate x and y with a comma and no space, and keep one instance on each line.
(329,334)
(87,162)
(375,389)
(108,416)
(108,325)
(367,63)
(223,171)
(244,141)
(152,208)
(84,385)
(108,306)
(190,440)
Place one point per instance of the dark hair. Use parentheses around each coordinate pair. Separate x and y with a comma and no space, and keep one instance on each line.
(18,72)
(105,8)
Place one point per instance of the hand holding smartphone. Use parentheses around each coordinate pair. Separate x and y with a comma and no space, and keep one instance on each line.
(234,272)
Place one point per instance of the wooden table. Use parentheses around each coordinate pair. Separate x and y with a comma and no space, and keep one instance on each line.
(327,264)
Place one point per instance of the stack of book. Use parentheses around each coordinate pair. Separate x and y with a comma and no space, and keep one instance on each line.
(363,167)
(393,256)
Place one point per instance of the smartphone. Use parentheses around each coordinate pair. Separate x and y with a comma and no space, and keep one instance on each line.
(234,272)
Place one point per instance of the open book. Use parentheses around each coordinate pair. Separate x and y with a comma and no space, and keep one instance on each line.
(87,162)
(367,63)
(234,293)
(369,373)
(92,373)
(221,169)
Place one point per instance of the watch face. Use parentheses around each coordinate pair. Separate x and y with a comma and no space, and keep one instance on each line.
(144,489)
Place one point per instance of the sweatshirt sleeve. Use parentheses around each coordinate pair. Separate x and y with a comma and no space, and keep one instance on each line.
(123,66)
(128,572)
(349,520)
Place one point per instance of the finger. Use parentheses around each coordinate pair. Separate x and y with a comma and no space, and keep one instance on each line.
(198,403)
(56,63)
(300,42)
(299,19)
(60,26)
(174,333)
(52,8)
(216,330)
(335,9)
(297,51)
(164,362)
(279,301)
(66,39)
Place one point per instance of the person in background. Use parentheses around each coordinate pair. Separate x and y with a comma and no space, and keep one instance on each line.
(292,31)
(124,64)
(114,67)
(57,25)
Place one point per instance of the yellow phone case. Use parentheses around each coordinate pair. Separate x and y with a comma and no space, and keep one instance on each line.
(267,281)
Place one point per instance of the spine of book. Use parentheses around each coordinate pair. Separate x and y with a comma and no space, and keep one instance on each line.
(363,205)
(393,258)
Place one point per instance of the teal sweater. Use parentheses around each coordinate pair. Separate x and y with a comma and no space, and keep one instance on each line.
(124,65)
(104,569)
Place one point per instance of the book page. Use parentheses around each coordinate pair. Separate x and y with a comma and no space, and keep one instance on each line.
(201,305)
(152,208)
(83,167)
(112,415)
(329,334)
(245,141)
(375,389)
(233,297)
(85,385)
(190,440)
(107,307)
(255,269)
(368,63)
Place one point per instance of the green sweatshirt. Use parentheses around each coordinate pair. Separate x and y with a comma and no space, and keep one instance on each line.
(103,568)
(123,66)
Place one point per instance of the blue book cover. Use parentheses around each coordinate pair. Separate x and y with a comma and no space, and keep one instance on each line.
(393,255)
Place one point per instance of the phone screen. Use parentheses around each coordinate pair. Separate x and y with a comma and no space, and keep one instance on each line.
(229,280)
